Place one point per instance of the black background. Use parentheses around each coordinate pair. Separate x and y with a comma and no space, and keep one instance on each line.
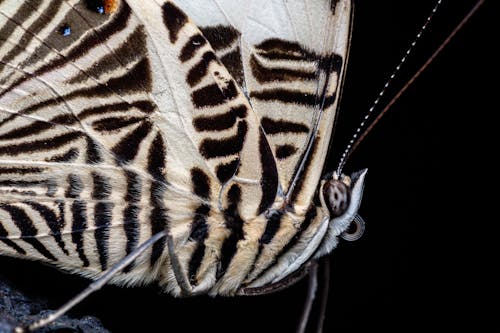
(411,269)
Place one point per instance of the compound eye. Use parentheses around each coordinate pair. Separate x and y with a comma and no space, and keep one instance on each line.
(337,196)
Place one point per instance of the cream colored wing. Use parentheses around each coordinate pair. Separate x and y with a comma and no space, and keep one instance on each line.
(289,58)
(113,127)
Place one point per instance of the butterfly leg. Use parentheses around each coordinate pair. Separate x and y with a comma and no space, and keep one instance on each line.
(180,276)
(94,286)
(318,287)
(323,293)
(312,287)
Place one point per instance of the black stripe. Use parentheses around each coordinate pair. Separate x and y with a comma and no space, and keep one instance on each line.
(159,216)
(226,171)
(200,69)
(232,61)
(234,224)
(156,158)
(212,95)
(201,183)
(38,126)
(20,170)
(55,101)
(269,178)
(102,186)
(174,19)
(40,145)
(28,230)
(199,227)
(195,263)
(3,237)
(115,123)
(21,15)
(93,152)
(26,193)
(331,63)
(79,213)
(24,183)
(195,43)
(131,213)
(285,151)
(102,216)
(220,36)
(211,148)
(131,227)
(144,106)
(214,123)
(122,85)
(293,96)
(128,147)
(31,32)
(220,122)
(75,186)
(199,232)
(271,126)
(54,222)
(159,222)
(133,194)
(108,63)
(272,226)
(279,49)
(264,75)
(49,183)
(69,156)
(117,23)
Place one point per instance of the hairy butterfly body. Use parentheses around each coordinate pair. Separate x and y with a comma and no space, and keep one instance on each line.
(146,116)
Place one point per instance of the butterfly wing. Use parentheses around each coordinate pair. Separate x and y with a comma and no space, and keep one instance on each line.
(288,57)
(127,126)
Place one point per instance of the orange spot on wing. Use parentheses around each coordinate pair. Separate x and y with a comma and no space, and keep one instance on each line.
(110,6)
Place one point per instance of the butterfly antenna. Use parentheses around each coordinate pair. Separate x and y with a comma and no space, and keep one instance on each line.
(354,142)
(350,149)
(96,285)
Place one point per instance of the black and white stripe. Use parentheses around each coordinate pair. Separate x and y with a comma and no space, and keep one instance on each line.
(101,146)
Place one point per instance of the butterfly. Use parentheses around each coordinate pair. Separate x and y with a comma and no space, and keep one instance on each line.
(157,117)
(205,34)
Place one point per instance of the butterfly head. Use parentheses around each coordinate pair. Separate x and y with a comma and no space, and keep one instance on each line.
(340,197)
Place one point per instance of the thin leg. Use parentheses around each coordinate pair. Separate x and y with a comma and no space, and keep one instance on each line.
(311,295)
(182,279)
(323,295)
(96,285)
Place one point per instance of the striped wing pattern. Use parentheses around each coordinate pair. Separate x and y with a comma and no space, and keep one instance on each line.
(288,58)
(139,121)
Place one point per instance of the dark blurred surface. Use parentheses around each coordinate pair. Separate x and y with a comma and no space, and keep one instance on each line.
(19,310)
(410,270)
